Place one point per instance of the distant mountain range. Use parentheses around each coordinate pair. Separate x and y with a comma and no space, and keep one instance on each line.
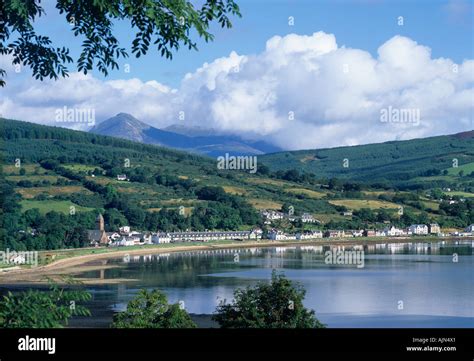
(192,139)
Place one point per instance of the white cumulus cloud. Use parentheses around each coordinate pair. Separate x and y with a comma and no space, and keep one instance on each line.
(301,91)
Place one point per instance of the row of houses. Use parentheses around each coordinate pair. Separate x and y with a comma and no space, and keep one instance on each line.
(205,236)
(272,215)
(138,238)
(278,235)
(392,231)
(126,237)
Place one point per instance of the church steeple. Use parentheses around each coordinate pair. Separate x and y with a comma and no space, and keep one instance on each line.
(100,223)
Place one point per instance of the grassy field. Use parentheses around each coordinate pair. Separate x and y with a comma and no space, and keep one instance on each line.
(29,168)
(308,192)
(52,205)
(81,167)
(272,182)
(179,201)
(460,194)
(467,168)
(29,193)
(34,178)
(363,203)
(234,190)
(325,218)
(378,193)
(264,203)
(430,204)
(103,180)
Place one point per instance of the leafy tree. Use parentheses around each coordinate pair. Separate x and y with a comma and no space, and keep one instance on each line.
(151,310)
(211,193)
(292,175)
(278,304)
(383,215)
(263,169)
(163,24)
(42,309)
(114,219)
(365,214)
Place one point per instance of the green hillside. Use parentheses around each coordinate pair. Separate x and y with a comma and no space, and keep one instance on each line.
(55,181)
(399,162)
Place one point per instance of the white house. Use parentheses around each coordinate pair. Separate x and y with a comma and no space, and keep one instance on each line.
(122,177)
(307,218)
(146,238)
(434,228)
(272,215)
(113,236)
(255,233)
(357,233)
(124,230)
(159,238)
(126,241)
(393,231)
(309,235)
(419,229)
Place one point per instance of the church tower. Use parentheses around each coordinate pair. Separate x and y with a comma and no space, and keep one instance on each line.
(100,223)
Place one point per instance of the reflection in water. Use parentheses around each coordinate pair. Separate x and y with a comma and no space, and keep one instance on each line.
(434,289)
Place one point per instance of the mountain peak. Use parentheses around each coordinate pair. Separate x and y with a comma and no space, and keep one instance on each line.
(193,139)
(122,125)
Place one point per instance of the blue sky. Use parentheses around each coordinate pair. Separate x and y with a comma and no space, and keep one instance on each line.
(444,26)
(338,76)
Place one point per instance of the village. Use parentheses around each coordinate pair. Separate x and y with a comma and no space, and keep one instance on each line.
(125,236)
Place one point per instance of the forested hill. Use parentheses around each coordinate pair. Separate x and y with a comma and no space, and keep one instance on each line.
(395,161)
(33,142)
(55,181)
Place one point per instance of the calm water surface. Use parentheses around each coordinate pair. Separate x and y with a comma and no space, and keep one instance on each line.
(400,285)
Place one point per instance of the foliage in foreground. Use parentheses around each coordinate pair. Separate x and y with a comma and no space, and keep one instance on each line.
(277,304)
(42,309)
(151,310)
(162,25)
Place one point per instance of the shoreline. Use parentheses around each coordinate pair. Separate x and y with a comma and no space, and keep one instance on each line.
(76,264)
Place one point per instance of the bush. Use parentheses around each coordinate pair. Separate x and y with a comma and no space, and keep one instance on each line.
(151,310)
(278,304)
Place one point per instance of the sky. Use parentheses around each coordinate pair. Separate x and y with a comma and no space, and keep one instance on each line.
(297,73)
